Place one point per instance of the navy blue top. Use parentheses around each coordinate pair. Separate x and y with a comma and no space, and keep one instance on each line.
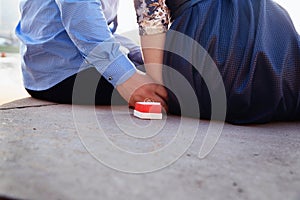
(256,50)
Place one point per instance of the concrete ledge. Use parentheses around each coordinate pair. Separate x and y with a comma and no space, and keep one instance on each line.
(25,103)
(42,157)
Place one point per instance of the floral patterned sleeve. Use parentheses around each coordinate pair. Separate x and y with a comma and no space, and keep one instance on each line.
(152,16)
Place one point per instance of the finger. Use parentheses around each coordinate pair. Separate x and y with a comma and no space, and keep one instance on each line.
(136,98)
(162,92)
(161,101)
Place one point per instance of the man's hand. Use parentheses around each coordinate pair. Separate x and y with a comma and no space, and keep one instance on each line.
(140,87)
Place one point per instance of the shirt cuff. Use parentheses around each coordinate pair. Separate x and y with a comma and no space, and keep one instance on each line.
(111,63)
(119,71)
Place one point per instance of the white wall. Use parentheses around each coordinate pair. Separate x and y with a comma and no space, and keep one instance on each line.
(1,8)
(292,6)
(9,15)
(126,16)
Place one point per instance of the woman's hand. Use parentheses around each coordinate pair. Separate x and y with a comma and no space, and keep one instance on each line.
(141,87)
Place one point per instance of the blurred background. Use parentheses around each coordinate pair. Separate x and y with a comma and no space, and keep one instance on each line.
(10,72)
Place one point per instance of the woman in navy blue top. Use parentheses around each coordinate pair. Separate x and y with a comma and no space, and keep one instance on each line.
(253,44)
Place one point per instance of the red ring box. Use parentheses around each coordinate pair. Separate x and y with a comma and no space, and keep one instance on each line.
(147,110)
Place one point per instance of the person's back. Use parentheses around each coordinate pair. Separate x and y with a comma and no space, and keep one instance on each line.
(62,39)
(252,44)
(256,49)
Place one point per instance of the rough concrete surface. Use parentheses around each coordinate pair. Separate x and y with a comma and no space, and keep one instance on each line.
(42,157)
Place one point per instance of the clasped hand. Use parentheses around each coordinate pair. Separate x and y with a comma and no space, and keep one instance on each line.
(140,87)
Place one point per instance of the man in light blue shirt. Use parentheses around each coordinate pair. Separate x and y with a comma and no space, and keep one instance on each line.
(64,38)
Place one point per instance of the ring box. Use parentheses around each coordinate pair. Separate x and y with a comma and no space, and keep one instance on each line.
(147,110)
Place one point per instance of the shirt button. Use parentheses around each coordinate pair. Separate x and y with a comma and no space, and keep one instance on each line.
(110,78)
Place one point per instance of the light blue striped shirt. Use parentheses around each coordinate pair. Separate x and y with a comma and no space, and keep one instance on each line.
(61,37)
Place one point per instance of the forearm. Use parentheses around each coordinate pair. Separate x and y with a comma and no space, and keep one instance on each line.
(153,20)
(153,50)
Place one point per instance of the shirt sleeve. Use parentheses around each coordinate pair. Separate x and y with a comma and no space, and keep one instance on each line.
(87,27)
(152,16)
